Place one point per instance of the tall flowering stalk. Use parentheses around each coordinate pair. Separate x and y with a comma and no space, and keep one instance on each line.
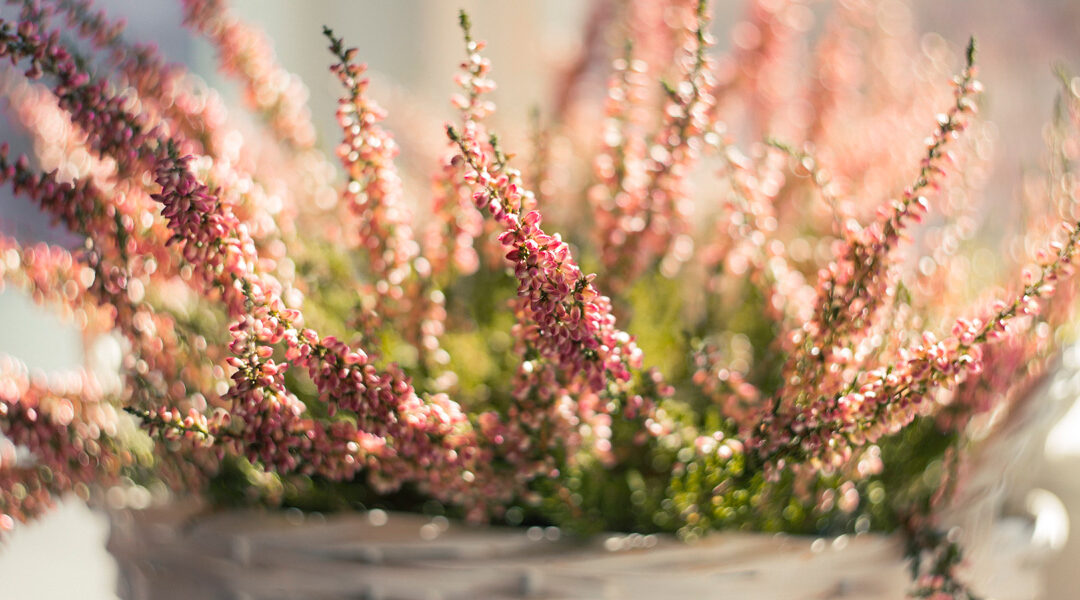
(374,196)
(564,327)
(561,315)
(851,290)
(310,333)
(648,220)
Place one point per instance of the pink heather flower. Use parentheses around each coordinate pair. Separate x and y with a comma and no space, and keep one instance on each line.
(562,318)
(884,400)
(657,209)
(619,194)
(853,288)
(69,429)
(373,195)
(727,386)
(198,117)
(746,245)
(124,257)
(449,241)
(52,276)
(385,404)
(224,259)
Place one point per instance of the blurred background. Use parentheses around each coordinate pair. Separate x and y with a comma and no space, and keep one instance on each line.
(414,45)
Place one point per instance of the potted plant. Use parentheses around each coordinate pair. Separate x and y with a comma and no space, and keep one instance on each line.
(785,331)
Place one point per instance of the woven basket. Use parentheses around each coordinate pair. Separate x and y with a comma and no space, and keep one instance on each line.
(183,552)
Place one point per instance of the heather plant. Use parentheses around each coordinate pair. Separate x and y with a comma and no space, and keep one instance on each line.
(751,305)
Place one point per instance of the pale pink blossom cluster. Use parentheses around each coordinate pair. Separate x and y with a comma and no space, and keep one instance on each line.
(645,202)
(618,196)
(245,52)
(373,193)
(883,400)
(583,363)
(449,241)
(374,196)
(106,283)
(169,94)
(412,439)
(71,430)
(562,317)
(428,441)
(221,259)
(852,290)
(451,238)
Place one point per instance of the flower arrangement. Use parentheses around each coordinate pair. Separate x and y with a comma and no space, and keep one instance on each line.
(784,332)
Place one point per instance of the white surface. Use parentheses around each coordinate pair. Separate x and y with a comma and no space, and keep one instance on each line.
(60,557)
(36,335)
